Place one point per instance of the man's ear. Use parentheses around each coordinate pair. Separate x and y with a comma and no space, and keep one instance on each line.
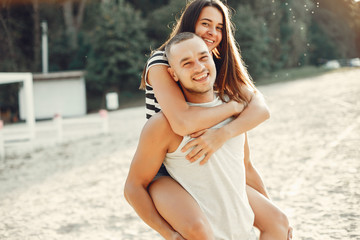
(172,74)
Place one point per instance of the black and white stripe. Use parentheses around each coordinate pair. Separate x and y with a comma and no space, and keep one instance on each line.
(152,105)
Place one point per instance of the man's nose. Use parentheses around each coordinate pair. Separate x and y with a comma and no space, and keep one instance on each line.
(198,66)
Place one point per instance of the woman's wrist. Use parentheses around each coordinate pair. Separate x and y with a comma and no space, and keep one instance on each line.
(224,133)
(237,107)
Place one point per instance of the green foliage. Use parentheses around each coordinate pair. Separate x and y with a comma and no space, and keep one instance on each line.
(146,6)
(251,34)
(290,74)
(322,47)
(114,38)
(117,51)
(161,21)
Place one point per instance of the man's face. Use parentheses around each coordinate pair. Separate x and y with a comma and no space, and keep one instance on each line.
(192,65)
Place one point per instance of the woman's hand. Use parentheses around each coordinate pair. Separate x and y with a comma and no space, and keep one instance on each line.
(206,142)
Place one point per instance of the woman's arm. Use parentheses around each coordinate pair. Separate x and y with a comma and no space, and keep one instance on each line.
(184,119)
(208,141)
(254,114)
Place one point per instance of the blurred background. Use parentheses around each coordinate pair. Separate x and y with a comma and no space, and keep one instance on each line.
(85,55)
(108,41)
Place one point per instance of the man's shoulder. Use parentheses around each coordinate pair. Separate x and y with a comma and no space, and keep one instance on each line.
(158,124)
(158,131)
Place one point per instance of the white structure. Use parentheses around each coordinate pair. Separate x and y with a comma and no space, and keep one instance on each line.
(27,80)
(332,64)
(56,93)
(112,101)
(27,96)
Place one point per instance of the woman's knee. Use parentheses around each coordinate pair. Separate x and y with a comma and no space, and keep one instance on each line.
(280,226)
(198,229)
(282,221)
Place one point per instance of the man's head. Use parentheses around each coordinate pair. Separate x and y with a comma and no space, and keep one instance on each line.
(192,65)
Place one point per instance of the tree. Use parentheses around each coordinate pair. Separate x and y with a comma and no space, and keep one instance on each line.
(73,17)
(251,34)
(117,52)
(322,48)
(344,30)
(162,20)
(36,31)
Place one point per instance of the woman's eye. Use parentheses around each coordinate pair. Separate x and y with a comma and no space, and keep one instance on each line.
(219,29)
(205,24)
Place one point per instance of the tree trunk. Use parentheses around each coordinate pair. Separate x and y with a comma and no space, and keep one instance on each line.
(10,42)
(73,22)
(37,34)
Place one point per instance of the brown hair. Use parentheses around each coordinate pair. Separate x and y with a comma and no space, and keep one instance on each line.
(231,72)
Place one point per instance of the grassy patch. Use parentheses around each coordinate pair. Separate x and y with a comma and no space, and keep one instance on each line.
(285,75)
(128,99)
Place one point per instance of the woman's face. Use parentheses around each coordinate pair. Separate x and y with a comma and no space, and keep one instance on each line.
(209,26)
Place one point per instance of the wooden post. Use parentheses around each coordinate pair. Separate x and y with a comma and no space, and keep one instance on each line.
(59,128)
(2,147)
(105,121)
(29,101)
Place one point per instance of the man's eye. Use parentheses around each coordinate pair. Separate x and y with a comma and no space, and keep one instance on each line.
(204,58)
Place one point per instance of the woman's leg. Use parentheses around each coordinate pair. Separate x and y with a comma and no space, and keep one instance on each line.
(180,209)
(270,220)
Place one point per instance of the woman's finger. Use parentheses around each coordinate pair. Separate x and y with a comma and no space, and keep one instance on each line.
(189,145)
(207,157)
(198,134)
(198,155)
(193,152)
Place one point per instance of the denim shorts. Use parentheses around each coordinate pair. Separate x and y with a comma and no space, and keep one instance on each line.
(161,173)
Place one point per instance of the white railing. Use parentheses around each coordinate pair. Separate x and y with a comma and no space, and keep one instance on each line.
(2,148)
(58,130)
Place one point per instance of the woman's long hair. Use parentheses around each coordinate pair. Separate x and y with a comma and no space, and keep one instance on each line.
(232,75)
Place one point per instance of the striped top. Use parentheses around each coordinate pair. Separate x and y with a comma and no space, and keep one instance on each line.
(152,105)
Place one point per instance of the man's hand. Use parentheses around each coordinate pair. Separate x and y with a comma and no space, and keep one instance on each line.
(238,107)
(206,142)
(290,233)
(176,236)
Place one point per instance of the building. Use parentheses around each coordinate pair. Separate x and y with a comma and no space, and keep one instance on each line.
(54,93)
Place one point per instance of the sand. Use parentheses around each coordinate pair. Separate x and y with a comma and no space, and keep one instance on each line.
(308,154)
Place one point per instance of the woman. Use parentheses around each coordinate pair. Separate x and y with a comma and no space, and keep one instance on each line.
(210,20)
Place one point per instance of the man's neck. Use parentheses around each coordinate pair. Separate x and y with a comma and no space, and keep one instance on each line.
(200,97)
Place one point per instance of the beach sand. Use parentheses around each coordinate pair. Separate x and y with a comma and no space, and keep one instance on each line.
(308,154)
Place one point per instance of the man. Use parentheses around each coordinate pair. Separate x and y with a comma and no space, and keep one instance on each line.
(219,185)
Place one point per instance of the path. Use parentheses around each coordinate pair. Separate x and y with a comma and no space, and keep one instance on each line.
(308,154)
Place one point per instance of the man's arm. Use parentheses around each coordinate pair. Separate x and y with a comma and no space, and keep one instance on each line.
(153,145)
(253,178)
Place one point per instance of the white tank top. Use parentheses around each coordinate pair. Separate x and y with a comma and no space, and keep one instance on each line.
(219,186)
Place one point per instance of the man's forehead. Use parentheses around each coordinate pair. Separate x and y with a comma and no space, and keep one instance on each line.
(190,47)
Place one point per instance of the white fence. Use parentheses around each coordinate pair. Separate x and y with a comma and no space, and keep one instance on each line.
(57,131)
